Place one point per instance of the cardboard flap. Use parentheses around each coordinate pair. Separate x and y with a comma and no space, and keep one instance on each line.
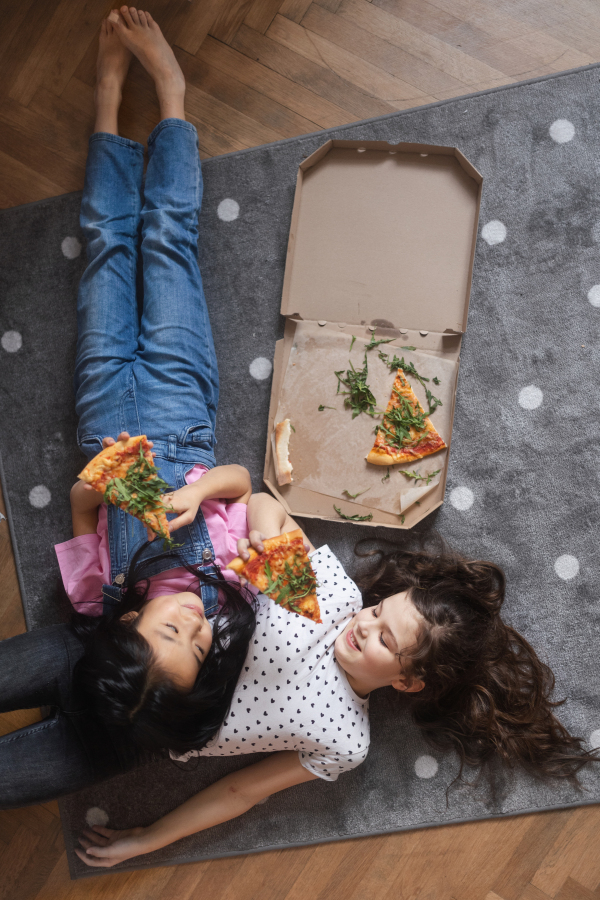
(383,235)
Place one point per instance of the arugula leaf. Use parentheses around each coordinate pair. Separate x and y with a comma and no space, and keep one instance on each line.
(342,515)
(352,341)
(359,397)
(403,519)
(408,348)
(322,407)
(373,343)
(292,585)
(436,380)
(140,493)
(292,427)
(427,478)
(386,477)
(354,496)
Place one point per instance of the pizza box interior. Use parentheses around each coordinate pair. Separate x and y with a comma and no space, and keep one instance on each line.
(381,245)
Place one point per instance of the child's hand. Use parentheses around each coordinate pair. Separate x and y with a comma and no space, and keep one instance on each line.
(184,501)
(107,847)
(255,539)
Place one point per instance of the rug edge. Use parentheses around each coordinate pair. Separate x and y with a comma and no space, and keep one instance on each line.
(329,840)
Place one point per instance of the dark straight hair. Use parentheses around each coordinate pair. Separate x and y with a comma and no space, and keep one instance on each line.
(124,685)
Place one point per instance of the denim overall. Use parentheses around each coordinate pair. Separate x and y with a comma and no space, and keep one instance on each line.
(145,356)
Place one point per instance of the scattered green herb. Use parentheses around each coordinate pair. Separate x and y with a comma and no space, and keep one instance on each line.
(140,494)
(403,519)
(292,427)
(409,369)
(352,341)
(354,496)
(359,397)
(386,477)
(408,348)
(436,380)
(417,502)
(417,477)
(373,343)
(342,515)
(291,586)
(322,407)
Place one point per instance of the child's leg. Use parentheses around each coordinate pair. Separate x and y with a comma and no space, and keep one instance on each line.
(107,316)
(176,379)
(176,372)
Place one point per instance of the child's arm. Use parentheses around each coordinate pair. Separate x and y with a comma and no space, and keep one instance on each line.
(266,518)
(224,800)
(225,482)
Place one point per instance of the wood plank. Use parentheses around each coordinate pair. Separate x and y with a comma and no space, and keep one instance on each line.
(18,183)
(330,5)
(229,20)
(294,9)
(32,877)
(227,89)
(261,14)
(269,876)
(193,24)
(574,852)
(235,125)
(573,891)
(380,52)
(306,41)
(273,85)
(73,35)
(532,893)
(308,74)
(524,862)
(24,31)
(424,46)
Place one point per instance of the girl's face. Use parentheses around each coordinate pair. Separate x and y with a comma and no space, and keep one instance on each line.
(178,632)
(369,648)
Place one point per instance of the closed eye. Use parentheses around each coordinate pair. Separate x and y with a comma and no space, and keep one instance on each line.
(168,624)
(381,640)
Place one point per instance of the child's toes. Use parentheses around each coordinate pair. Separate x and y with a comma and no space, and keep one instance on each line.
(126,15)
(134,15)
(142,18)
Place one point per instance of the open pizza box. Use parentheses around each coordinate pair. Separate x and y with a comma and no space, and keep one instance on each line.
(381,246)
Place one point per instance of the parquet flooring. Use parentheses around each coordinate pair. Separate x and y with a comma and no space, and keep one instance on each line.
(260,70)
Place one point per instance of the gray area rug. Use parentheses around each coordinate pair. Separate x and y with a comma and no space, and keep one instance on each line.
(524,482)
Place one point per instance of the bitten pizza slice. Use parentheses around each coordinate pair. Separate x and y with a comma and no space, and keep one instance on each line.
(127,477)
(405,432)
(284,573)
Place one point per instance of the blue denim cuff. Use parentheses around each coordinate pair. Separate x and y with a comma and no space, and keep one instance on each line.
(171,123)
(116,139)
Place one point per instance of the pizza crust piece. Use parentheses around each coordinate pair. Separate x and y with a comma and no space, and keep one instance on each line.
(280,440)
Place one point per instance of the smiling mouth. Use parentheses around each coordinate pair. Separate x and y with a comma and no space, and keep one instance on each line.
(351,640)
(196,609)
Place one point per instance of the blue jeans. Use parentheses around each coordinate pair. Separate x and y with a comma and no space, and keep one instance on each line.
(145,355)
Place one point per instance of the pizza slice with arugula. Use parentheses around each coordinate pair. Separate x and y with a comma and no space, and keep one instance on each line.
(283,572)
(126,476)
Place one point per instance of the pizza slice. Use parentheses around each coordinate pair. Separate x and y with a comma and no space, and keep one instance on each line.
(284,573)
(405,432)
(127,477)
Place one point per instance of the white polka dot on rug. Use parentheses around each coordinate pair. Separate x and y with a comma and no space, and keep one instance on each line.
(96,816)
(593,295)
(260,368)
(71,248)
(426,766)
(493,232)
(11,341)
(562,131)
(39,496)
(566,567)
(530,397)
(594,739)
(462,498)
(228,210)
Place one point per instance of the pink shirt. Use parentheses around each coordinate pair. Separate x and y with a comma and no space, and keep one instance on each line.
(85,561)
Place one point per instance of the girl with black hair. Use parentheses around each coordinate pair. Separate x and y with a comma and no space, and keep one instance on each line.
(153,654)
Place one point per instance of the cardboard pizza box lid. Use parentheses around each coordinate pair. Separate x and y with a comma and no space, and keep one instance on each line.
(383,234)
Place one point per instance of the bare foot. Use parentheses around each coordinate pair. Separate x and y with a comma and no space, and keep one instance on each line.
(139,33)
(111,70)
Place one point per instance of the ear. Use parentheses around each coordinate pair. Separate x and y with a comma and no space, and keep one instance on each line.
(413,688)
(129,617)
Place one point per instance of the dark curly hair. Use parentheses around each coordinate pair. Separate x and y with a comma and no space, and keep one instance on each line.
(139,703)
(486,693)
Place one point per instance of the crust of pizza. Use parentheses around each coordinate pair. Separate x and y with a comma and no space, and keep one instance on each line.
(427,441)
(288,547)
(114,462)
(280,439)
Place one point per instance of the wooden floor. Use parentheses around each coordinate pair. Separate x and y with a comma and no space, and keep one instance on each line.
(259,70)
